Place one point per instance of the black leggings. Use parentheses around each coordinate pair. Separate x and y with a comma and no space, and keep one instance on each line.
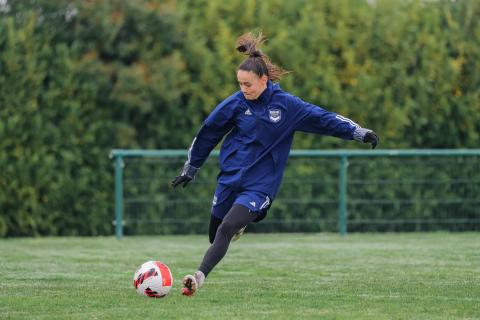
(221,233)
(215,223)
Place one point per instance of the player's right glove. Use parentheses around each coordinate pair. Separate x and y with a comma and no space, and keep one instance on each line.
(187,175)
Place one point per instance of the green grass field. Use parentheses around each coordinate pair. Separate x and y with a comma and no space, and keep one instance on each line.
(263,276)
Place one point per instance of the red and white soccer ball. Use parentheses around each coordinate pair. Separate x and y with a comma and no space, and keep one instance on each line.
(153,279)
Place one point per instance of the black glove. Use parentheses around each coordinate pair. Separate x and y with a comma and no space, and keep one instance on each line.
(371,137)
(187,175)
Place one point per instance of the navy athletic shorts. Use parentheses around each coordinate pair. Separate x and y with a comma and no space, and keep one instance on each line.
(225,198)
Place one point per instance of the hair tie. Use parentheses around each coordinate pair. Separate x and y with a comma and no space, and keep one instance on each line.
(256,53)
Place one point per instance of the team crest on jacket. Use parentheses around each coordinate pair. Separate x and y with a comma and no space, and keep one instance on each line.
(275,115)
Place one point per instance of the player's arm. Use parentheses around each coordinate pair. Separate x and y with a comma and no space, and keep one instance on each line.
(217,124)
(315,119)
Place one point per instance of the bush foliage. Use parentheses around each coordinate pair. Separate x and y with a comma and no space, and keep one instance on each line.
(83,77)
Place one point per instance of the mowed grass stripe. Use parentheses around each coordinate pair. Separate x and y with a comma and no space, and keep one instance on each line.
(263,276)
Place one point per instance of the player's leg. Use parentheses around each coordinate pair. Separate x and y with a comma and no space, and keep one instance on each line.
(222,202)
(261,213)
(192,282)
(260,216)
(238,234)
(213,227)
(237,217)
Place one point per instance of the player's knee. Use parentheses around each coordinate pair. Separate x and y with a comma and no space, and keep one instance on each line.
(260,216)
(227,229)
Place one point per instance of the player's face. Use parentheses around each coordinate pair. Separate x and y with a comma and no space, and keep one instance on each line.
(251,85)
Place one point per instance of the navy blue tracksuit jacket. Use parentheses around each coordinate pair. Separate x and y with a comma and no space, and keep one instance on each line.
(260,132)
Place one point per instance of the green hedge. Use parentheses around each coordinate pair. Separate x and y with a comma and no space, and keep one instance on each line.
(83,77)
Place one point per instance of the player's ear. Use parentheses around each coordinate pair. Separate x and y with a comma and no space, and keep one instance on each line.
(264,79)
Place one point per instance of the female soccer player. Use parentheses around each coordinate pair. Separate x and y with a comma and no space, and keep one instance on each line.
(260,120)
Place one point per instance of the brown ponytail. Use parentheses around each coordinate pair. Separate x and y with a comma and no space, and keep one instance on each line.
(257,62)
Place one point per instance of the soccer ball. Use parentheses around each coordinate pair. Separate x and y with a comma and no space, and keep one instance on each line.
(153,279)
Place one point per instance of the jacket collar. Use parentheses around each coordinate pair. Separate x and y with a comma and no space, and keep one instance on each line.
(266,95)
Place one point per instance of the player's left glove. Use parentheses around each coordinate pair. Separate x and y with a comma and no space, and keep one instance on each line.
(187,175)
(371,137)
(366,136)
